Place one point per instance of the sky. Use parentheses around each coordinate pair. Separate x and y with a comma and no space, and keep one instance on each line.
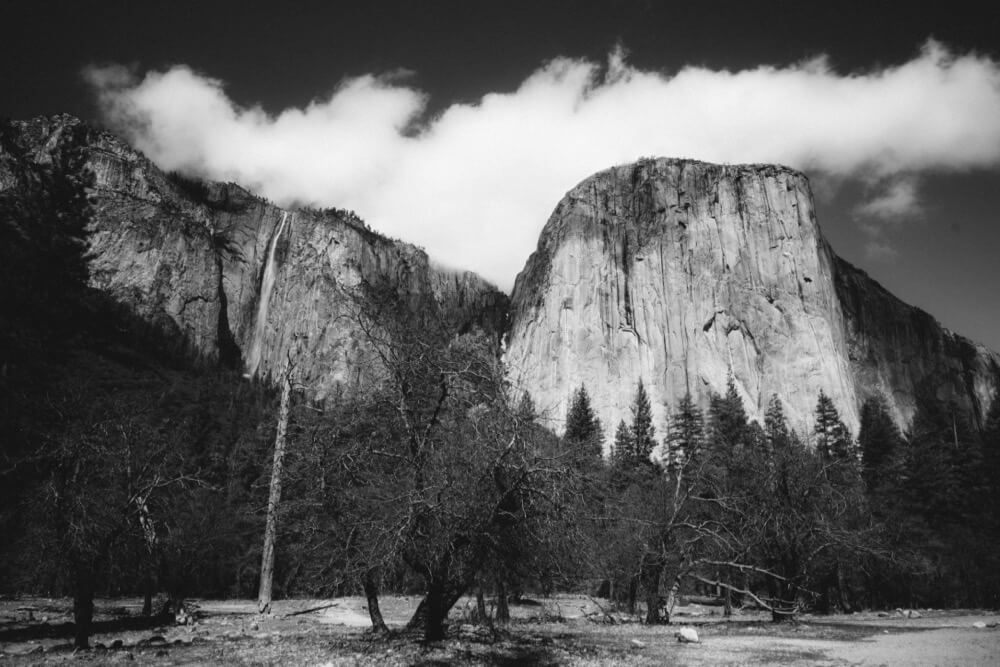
(458,126)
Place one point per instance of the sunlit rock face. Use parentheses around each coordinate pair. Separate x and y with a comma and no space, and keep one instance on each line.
(673,271)
(679,272)
(241,280)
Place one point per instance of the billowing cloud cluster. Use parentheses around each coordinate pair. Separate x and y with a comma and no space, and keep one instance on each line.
(474,184)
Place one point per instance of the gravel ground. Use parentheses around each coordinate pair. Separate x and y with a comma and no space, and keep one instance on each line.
(562,630)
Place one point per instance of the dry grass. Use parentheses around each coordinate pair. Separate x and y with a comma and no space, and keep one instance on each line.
(558,631)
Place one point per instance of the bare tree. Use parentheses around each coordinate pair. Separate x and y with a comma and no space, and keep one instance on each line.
(463,473)
(274,495)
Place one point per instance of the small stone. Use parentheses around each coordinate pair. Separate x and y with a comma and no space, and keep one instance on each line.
(638,643)
(979,624)
(687,636)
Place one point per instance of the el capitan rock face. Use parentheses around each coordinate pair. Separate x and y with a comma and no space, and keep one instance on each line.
(240,279)
(678,272)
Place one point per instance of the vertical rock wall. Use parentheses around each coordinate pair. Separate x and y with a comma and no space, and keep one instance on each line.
(190,258)
(680,272)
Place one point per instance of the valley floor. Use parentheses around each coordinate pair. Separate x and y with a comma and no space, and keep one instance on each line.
(560,630)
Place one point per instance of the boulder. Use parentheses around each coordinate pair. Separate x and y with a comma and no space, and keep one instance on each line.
(687,636)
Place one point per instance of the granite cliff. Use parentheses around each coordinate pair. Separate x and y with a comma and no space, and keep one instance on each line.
(679,272)
(239,279)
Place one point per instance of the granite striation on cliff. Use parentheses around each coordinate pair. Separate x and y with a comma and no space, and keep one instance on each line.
(677,272)
(242,280)
(680,272)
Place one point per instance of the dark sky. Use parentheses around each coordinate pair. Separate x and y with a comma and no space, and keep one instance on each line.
(286,54)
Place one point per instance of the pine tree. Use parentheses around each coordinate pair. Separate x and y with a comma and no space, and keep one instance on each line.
(643,432)
(583,428)
(881,446)
(833,439)
(526,408)
(776,426)
(621,452)
(728,424)
(686,437)
(928,473)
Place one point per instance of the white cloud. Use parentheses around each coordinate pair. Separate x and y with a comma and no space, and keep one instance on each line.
(879,250)
(476,183)
(898,201)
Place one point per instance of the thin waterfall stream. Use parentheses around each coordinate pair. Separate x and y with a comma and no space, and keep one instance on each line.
(264,301)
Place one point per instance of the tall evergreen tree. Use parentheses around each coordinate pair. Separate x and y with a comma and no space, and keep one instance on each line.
(526,408)
(583,428)
(621,451)
(686,434)
(945,487)
(835,446)
(776,430)
(833,439)
(929,476)
(881,447)
(728,423)
(643,431)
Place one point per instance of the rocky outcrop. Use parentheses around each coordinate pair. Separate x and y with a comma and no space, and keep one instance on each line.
(894,347)
(242,280)
(679,272)
(673,271)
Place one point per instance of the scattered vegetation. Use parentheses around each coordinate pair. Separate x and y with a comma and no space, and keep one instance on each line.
(128,469)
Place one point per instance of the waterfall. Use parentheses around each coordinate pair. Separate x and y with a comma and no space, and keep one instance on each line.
(264,301)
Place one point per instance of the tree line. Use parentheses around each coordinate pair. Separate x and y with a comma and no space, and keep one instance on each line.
(763,515)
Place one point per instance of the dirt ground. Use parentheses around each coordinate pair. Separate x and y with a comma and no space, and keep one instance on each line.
(562,630)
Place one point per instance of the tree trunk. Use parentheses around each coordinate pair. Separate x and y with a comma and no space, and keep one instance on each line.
(147,596)
(482,617)
(370,583)
(842,592)
(432,611)
(274,499)
(437,612)
(727,595)
(782,601)
(503,609)
(152,552)
(651,570)
(672,597)
(633,592)
(83,607)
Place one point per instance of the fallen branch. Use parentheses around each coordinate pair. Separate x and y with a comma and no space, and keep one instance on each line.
(792,609)
(611,619)
(309,611)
